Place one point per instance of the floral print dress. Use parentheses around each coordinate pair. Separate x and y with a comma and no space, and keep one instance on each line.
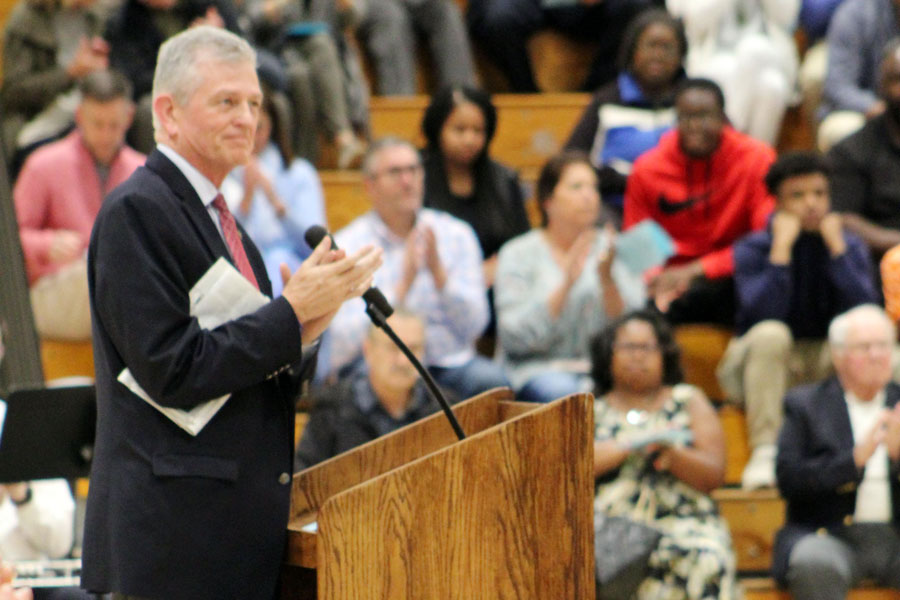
(694,559)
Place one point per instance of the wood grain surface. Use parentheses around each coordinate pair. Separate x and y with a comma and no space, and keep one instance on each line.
(504,514)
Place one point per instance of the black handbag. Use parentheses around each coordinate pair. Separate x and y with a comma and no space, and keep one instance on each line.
(622,549)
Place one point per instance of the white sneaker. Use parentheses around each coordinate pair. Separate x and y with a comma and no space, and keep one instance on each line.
(760,469)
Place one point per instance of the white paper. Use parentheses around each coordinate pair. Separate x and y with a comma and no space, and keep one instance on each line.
(221,295)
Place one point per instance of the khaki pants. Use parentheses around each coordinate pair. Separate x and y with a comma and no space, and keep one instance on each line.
(761,365)
(836,127)
(60,304)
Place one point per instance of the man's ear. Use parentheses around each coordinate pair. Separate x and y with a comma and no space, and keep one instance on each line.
(165,109)
(130,118)
(369,184)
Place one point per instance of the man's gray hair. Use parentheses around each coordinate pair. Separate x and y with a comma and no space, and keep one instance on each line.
(840,325)
(375,148)
(176,66)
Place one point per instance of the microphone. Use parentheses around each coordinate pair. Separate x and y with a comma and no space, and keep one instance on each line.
(379,309)
(377,306)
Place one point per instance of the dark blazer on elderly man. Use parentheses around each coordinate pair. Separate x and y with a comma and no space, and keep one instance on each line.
(170,515)
(816,473)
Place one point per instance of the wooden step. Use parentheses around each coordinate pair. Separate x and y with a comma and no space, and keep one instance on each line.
(737,443)
(530,127)
(67,359)
(345,196)
(702,347)
(754,516)
(764,588)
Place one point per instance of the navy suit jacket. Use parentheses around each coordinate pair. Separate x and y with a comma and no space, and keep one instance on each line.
(170,515)
(815,469)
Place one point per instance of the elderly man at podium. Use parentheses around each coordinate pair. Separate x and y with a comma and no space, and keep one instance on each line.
(175,511)
(385,396)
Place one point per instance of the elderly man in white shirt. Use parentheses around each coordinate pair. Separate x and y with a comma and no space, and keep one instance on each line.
(838,464)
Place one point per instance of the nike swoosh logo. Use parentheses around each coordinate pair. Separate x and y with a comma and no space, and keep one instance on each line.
(670,207)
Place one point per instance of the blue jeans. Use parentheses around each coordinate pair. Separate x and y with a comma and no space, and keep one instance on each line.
(551,386)
(478,375)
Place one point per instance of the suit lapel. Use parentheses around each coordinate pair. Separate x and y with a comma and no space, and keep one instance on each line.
(190,202)
(834,411)
(203,223)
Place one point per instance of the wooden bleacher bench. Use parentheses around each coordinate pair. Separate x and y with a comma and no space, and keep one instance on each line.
(737,443)
(764,588)
(702,347)
(753,517)
(67,359)
(345,197)
(530,127)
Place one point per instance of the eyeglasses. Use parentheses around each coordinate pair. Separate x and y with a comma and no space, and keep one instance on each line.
(634,348)
(400,171)
(659,45)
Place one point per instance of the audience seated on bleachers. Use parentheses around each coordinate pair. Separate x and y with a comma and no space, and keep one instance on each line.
(389,29)
(37,519)
(866,167)
(383,396)
(626,117)
(48,46)
(813,21)
(559,285)
(502,29)
(460,176)
(859,32)
(659,444)
(704,185)
(791,281)
(275,197)
(135,33)
(57,196)
(432,265)
(838,455)
(293,31)
(342,17)
(747,47)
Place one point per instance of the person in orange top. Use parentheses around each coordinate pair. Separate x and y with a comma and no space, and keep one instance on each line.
(704,184)
(890,281)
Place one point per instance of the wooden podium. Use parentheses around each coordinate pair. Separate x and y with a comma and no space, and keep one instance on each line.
(417,514)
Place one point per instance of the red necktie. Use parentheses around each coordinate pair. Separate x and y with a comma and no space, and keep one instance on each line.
(233,238)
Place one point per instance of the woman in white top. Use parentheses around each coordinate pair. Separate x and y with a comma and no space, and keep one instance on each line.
(558,285)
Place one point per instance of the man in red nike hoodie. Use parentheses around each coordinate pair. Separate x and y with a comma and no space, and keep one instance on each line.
(704,184)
